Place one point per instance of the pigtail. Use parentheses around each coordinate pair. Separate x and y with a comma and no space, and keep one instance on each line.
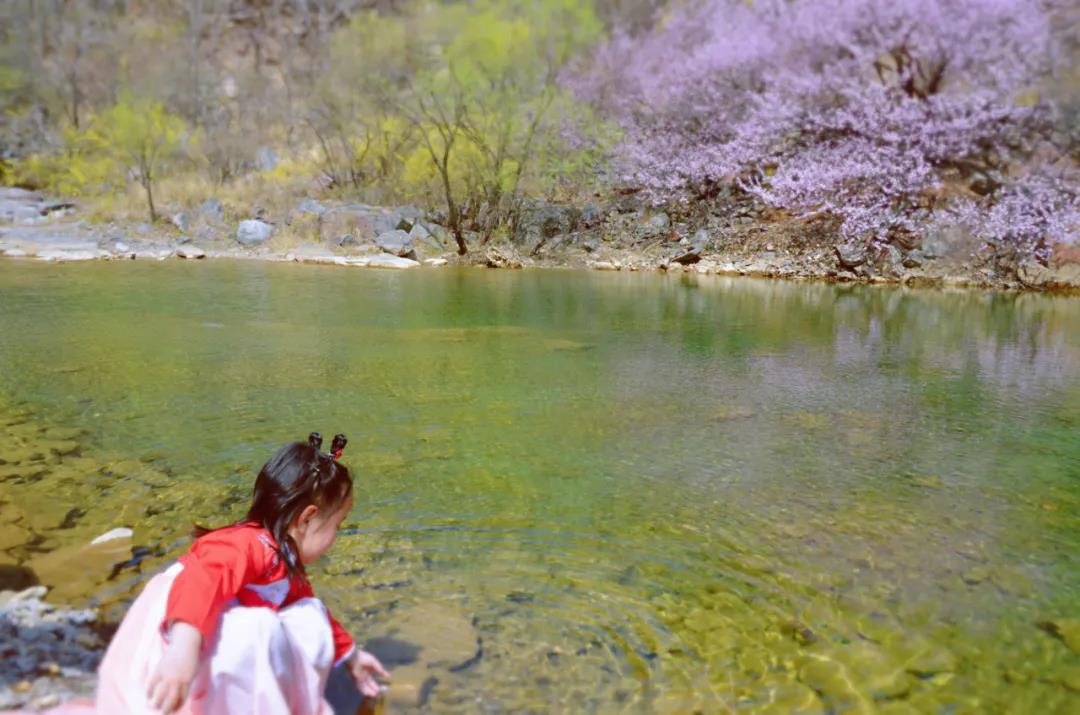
(338,446)
(297,475)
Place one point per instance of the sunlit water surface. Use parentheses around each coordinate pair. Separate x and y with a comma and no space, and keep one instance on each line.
(587,492)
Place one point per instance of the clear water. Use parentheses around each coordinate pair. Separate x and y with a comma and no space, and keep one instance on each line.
(591,492)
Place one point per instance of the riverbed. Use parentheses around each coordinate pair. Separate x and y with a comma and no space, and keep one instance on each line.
(583,491)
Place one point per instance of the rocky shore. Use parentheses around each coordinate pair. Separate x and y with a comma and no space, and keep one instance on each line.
(48,654)
(729,237)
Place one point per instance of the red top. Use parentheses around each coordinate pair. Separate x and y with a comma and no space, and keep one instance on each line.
(238,562)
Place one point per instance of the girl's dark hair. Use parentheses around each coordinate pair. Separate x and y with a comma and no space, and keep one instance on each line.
(297,475)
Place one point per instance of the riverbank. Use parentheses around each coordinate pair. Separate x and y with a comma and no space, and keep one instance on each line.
(743,240)
(49,655)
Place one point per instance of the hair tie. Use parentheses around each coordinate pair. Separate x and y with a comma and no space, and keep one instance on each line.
(338,446)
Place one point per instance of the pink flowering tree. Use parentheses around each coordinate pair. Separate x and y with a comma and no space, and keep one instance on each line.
(888,115)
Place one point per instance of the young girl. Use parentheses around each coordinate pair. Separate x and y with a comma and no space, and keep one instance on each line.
(234,627)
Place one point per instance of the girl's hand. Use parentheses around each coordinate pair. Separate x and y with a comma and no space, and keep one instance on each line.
(364,667)
(168,686)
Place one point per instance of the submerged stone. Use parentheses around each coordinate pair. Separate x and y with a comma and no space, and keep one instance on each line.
(1070,678)
(64,433)
(1067,629)
(792,699)
(833,681)
(930,659)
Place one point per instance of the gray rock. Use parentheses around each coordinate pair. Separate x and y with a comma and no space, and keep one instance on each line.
(212,210)
(591,216)
(943,241)
(405,217)
(21,214)
(893,260)
(539,222)
(253,232)
(181,220)
(658,225)
(347,240)
(205,233)
(1035,275)
(851,255)
(117,245)
(397,243)
(913,259)
(310,206)
(438,234)
(266,159)
(71,255)
(628,203)
(419,231)
(694,248)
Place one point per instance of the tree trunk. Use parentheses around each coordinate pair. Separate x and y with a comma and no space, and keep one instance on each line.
(150,199)
(452,213)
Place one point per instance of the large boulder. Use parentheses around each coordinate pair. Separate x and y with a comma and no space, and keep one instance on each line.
(539,222)
(405,217)
(253,232)
(397,243)
(386,260)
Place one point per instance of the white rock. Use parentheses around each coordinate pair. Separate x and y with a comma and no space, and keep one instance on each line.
(34,592)
(604,266)
(121,532)
(192,252)
(62,255)
(253,232)
(436,261)
(387,260)
(15,253)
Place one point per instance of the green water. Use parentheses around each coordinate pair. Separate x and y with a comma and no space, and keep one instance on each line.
(584,491)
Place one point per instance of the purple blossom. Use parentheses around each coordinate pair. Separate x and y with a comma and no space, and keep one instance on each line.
(863,109)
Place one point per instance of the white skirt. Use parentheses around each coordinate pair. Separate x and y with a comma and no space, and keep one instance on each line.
(260,661)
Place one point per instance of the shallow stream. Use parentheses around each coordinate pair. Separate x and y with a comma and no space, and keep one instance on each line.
(583,492)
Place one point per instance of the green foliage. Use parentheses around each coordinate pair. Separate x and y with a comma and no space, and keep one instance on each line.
(133,138)
(457,100)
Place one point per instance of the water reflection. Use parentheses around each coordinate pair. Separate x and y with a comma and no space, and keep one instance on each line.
(638,492)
